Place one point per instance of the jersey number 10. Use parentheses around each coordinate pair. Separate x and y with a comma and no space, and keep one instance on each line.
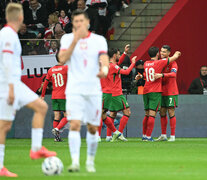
(150,74)
(59,81)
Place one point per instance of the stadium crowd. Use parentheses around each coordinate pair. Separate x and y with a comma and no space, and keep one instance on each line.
(51,19)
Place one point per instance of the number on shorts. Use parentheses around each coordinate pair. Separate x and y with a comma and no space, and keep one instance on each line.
(59,81)
(171,99)
(150,74)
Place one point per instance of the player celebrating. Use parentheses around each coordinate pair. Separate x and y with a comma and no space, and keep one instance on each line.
(153,89)
(84,52)
(118,101)
(58,76)
(107,84)
(13,93)
(169,95)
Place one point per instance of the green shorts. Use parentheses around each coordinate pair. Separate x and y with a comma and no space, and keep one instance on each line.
(170,101)
(106,101)
(118,103)
(152,101)
(58,104)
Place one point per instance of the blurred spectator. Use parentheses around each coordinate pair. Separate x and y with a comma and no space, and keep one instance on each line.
(48,90)
(34,47)
(101,6)
(92,13)
(35,15)
(199,85)
(47,39)
(56,5)
(58,31)
(138,85)
(71,6)
(24,34)
(53,47)
(63,19)
(52,20)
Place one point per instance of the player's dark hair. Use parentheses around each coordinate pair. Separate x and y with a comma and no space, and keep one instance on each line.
(167,47)
(112,51)
(57,58)
(79,12)
(153,51)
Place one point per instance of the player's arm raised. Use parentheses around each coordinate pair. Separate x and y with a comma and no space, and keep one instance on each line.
(127,71)
(65,54)
(176,55)
(126,51)
(104,69)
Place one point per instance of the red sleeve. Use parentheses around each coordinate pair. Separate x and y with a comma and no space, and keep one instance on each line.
(163,62)
(44,88)
(115,69)
(173,71)
(127,71)
(121,59)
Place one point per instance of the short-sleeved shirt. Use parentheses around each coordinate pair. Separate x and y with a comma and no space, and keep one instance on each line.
(169,85)
(115,78)
(151,67)
(106,83)
(84,64)
(9,43)
(58,76)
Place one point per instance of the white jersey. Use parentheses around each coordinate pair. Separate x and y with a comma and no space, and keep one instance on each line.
(84,64)
(10,65)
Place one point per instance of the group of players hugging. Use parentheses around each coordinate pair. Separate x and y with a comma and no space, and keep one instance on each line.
(160,94)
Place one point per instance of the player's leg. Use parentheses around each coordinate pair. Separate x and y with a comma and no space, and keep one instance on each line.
(99,130)
(146,117)
(75,108)
(56,121)
(171,112)
(93,112)
(109,136)
(163,120)
(40,109)
(154,106)
(5,126)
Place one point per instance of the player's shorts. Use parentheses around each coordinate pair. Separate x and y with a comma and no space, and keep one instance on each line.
(106,101)
(86,108)
(58,104)
(23,96)
(169,101)
(118,103)
(152,101)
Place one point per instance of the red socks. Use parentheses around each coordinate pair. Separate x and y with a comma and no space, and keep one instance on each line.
(55,123)
(123,123)
(144,124)
(110,124)
(150,126)
(62,123)
(108,130)
(173,125)
(164,124)
(100,128)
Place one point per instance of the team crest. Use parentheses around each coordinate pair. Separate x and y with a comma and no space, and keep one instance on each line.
(83,45)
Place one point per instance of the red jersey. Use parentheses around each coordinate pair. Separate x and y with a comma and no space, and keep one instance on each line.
(106,83)
(115,77)
(169,83)
(58,76)
(151,67)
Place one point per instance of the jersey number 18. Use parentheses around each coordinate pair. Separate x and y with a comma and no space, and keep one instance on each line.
(150,74)
(59,81)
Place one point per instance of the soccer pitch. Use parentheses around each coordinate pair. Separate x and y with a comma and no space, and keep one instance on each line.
(186,158)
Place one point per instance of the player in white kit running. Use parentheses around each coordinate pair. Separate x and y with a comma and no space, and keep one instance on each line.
(87,59)
(13,93)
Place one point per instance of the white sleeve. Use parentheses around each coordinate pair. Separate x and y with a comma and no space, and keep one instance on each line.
(8,46)
(66,41)
(103,47)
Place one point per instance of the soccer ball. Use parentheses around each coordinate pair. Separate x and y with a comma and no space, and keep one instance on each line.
(52,166)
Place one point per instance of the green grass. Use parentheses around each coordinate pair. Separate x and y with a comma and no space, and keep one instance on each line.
(184,159)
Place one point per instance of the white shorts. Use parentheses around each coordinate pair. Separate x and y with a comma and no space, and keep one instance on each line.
(23,96)
(86,108)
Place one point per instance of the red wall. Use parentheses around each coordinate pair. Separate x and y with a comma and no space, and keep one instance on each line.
(184,28)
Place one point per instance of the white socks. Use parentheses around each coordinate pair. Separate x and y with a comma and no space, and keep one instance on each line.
(37,134)
(92,144)
(74,141)
(2,148)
